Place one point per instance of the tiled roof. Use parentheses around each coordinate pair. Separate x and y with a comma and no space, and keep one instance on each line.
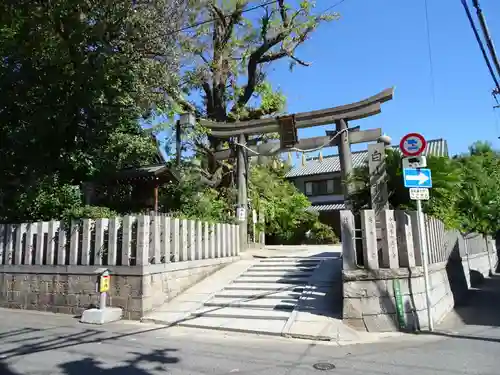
(326,207)
(331,163)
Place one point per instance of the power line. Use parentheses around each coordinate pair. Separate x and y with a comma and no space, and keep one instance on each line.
(429,49)
(201,23)
(481,45)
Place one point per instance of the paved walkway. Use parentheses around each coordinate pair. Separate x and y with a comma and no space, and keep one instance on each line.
(285,291)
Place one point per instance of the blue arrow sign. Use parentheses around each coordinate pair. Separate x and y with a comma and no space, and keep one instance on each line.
(421,178)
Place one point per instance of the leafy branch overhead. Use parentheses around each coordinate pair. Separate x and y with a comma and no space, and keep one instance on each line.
(226,59)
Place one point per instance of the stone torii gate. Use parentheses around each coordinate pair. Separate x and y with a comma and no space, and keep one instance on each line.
(287,127)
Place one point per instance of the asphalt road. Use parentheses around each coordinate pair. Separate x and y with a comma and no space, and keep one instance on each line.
(39,343)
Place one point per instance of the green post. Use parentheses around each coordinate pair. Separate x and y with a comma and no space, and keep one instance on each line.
(400,311)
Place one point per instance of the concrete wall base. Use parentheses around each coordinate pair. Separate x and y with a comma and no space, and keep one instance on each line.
(72,289)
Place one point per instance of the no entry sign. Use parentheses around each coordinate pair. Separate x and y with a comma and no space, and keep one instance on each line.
(412,144)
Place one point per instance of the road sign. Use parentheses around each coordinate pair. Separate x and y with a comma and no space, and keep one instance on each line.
(421,178)
(412,144)
(415,162)
(419,194)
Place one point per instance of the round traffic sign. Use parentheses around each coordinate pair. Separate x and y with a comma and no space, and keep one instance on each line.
(412,144)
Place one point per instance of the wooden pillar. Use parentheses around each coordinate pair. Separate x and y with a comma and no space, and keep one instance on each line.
(156,198)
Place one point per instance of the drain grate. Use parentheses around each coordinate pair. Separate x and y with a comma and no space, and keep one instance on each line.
(324,366)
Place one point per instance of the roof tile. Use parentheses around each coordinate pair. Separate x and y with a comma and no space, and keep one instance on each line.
(331,164)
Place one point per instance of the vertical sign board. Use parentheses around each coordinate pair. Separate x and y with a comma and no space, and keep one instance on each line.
(378,183)
(419,179)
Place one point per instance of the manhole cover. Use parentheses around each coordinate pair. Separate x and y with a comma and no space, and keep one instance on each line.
(324,366)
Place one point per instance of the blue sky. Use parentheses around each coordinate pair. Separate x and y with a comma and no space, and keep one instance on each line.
(377,44)
(382,43)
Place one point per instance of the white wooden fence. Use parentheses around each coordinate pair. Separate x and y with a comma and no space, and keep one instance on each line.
(122,241)
(398,244)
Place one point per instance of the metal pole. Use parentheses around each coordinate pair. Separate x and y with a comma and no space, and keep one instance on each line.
(486,32)
(102,301)
(178,143)
(242,190)
(345,157)
(425,262)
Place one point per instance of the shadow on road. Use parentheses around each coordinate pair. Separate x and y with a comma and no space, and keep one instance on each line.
(139,364)
(160,358)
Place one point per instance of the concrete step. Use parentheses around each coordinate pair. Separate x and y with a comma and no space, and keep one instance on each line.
(256,294)
(262,303)
(278,274)
(239,313)
(272,279)
(244,325)
(265,287)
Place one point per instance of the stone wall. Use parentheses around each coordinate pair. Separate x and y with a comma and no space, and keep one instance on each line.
(370,305)
(72,289)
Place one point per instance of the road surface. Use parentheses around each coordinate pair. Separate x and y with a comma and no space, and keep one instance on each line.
(39,343)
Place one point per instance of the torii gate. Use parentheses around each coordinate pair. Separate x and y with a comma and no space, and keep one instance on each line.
(287,126)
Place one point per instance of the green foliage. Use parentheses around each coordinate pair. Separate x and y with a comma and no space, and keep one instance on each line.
(479,205)
(446,180)
(192,199)
(465,193)
(88,212)
(76,77)
(284,207)
(321,234)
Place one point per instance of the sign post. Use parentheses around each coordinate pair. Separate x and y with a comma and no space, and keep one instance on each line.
(104,279)
(419,181)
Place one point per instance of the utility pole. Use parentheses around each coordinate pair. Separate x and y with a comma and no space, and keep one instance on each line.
(487,36)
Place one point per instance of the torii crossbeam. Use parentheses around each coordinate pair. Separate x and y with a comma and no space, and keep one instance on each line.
(287,126)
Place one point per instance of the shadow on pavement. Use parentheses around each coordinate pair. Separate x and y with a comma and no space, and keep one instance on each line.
(483,304)
(139,364)
(160,358)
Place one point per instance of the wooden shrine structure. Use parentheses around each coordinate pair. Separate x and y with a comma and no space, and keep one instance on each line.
(143,181)
(342,137)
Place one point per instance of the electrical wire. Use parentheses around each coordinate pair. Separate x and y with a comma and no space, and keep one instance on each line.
(201,23)
(481,45)
(429,50)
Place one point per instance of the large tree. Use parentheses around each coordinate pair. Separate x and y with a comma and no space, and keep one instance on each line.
(228,54)
(75,78)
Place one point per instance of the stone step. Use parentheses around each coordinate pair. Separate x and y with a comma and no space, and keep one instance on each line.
(272,279)
(290,261)
(262,303)
(280,269)
(265,287)
(256,294)
(240,313)
(244,325)
(305,274)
